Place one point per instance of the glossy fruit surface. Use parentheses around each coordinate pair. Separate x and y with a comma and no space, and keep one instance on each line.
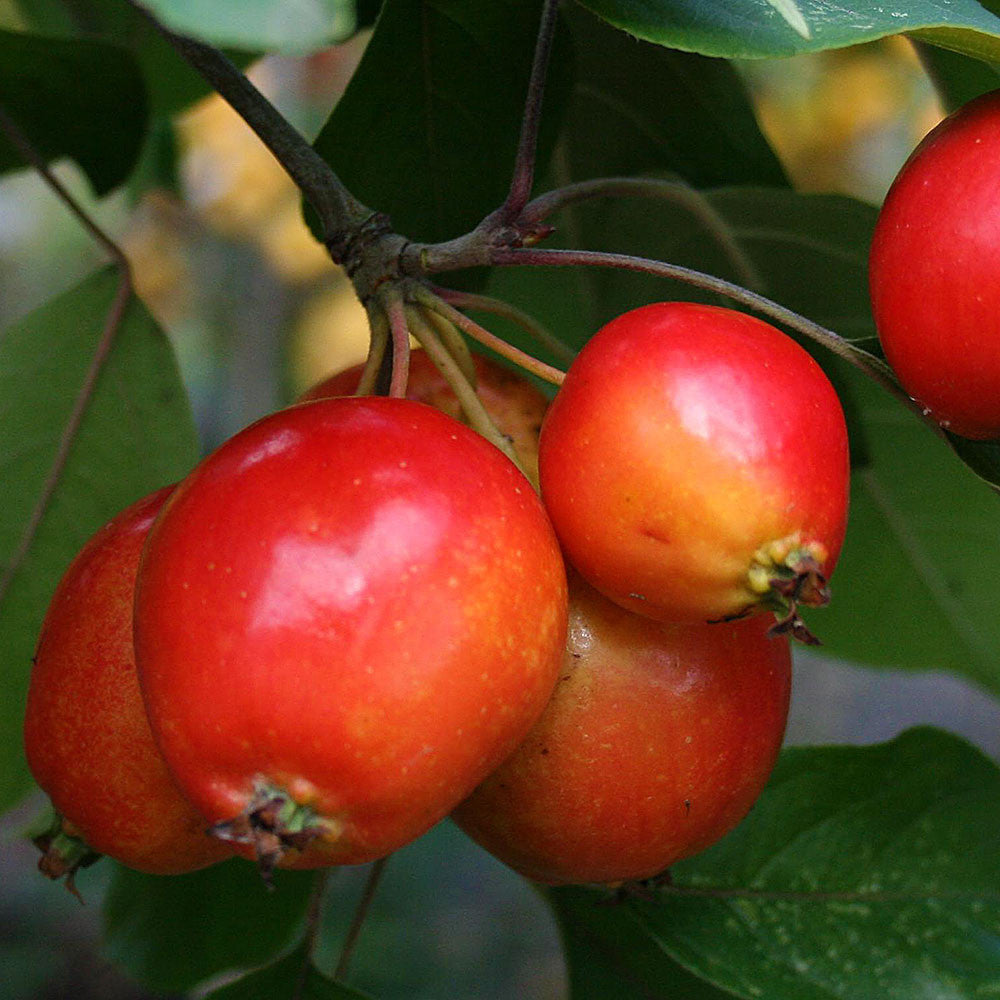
(85,731)
(514,404)
(695,465)
(657,741)
(346,617)
(934,271)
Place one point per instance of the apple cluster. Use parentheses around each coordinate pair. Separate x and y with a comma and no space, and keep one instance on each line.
(357,616)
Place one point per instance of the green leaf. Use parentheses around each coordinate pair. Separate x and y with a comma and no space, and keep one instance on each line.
(609,954)
(753,29)
(135,436)
(637,107)
(428,127)
(81,99)
(294,975)
(170,82)
(172,932)
(302,26)
(860,873)
(916,585)
(957,78)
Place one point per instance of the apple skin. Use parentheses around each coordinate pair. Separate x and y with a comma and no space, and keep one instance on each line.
(684,441)
(358,602)
(657,741)
(934,271)
(86,735)
(513,403)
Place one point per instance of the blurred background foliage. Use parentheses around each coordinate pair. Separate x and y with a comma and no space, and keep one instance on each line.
(257,313)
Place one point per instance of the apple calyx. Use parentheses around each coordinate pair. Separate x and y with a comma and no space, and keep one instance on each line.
(273,823)
(63,853)
(785,574)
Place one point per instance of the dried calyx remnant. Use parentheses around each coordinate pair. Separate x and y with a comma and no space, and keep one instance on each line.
(273,824)
(64,852)
(787,574)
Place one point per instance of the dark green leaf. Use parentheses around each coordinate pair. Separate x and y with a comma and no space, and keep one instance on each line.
(957,78)
(637,108)
(765,28)
(170,82)
(136,435)
(367,11)
(259,24)
(609,954)
(981,456)
(172,932)
(861,873)
(158,166)
(916,585)
(294,976)
(427,129)
(81,99)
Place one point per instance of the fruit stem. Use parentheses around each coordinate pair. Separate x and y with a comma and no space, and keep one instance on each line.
(452,340)
(360,914)
(436,305)
(485,303)
(311,933)
(379,325)
(871,365)
(400,343)
(472,406)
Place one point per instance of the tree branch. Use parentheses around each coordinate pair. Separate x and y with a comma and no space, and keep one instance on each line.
(524,164)
(340,213)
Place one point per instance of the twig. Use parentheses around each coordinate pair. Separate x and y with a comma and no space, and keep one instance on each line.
(487,339)
(485,303)
(524,163)
(364,904)
(340,213)
(677,192)
(26,150)
(112,324)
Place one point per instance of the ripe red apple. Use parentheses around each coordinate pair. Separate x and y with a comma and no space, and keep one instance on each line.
(656,743)
(695,466)
(86,735)
(935,271)
(346,617)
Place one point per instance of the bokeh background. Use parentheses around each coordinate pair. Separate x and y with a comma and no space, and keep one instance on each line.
(257,313)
